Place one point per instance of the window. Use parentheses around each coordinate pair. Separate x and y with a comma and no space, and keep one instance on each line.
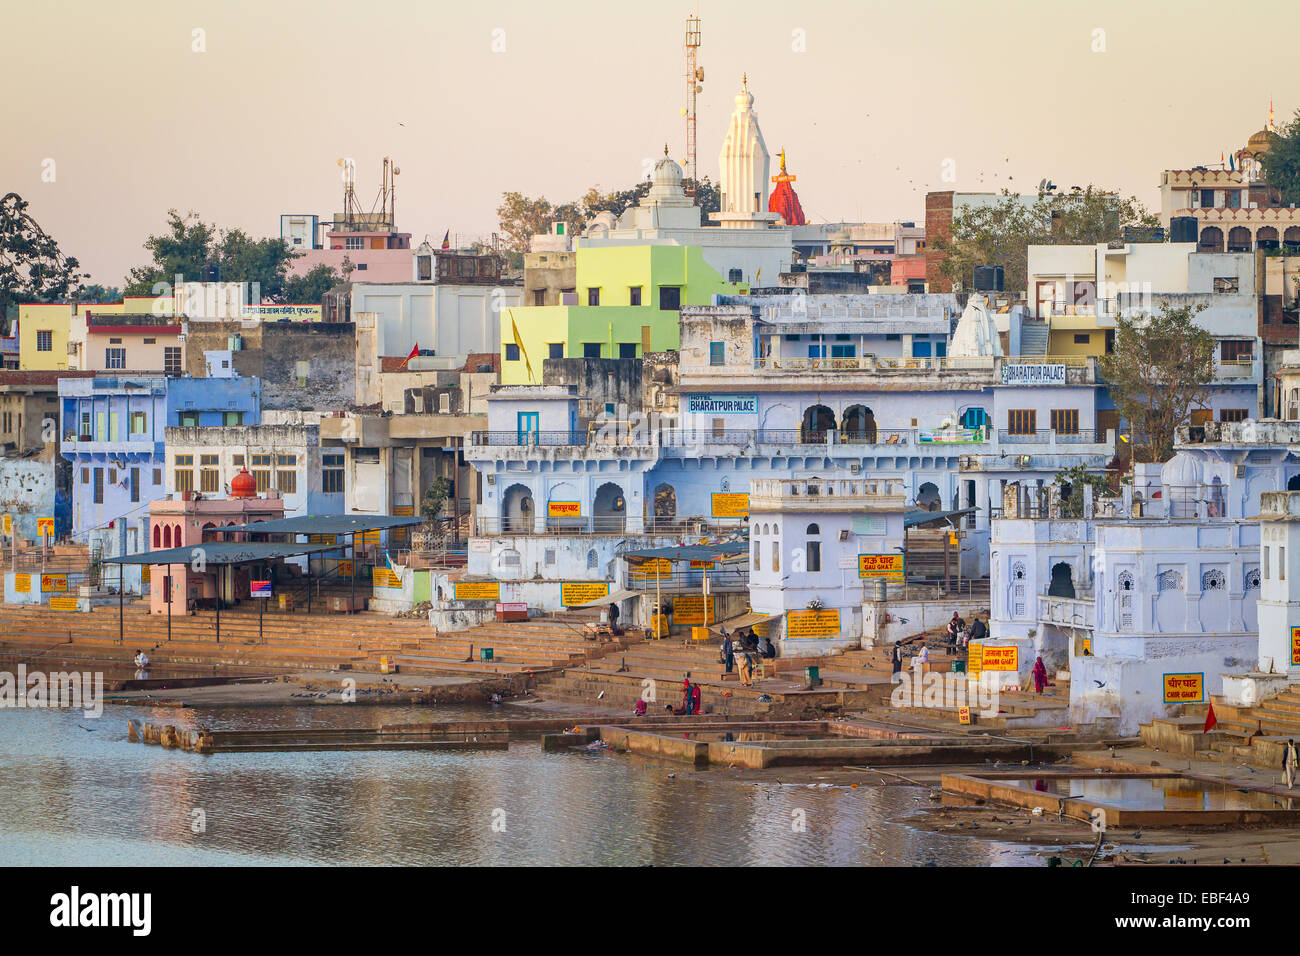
(844,351)
(184,472)
(139,424)
(1233,414)
(735,275)
(1233,198)
(85,476)
(99,486)
(1022,421)
(776,555)
(1065,421)
(634,295)
(157,477)
(591,350)
(286,477)
(1281,563)
(424,268)
(1267,552)
(189,419)
(114,358)
(331,476)
(670,297)
(354,242)
(85,433)
(1227,284)
(232,418)
(172,360)
(1207,198)
(717,353)
(539,297)
(262,472)
(44,340)
(593,297)
(209,474)
(1236,351)
(112,476)
(555,350)
(512,353)
(1110,341)
(626,350)
(1082,338)
(758,556)
(814,556)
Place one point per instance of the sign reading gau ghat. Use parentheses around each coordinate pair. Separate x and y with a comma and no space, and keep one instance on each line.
(1032,373)
(722,404)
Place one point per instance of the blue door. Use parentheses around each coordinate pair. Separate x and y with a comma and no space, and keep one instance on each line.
(920,348)
(529,425)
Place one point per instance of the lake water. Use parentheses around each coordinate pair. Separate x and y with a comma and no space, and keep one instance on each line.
(73,791)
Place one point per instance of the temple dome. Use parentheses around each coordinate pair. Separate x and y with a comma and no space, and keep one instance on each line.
(1258,142)
(1181,471)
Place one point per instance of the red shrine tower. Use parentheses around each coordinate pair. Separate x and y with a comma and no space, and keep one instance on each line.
(784,201)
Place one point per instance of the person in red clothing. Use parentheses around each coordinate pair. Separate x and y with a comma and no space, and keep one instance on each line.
(686,694)
(695,698)
(1040,675)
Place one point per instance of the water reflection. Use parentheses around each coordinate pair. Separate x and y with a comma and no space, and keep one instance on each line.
(75,792)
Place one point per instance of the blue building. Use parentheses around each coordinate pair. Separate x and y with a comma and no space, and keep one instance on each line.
(114,436)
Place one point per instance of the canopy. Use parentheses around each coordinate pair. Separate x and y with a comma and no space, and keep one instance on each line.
(915,518)
(327,524)
(692,552)
(748,619)
(222,553)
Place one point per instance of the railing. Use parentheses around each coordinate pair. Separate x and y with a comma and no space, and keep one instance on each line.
(903,363)
(692,438)
(1070,612)
(1048,436)
(493,525)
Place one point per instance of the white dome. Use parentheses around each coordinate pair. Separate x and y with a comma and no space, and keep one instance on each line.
(1181,471)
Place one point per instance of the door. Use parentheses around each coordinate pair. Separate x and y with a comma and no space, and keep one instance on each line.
(529,426)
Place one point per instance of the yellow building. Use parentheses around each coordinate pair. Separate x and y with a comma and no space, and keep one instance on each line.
(628,299)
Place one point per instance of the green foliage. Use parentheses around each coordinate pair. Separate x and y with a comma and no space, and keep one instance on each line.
(188,244)
(32,268)
(1075,478)
(435,496)
(310,288)
(99,294)
(1281,164)
(1157,374)
(1000,234)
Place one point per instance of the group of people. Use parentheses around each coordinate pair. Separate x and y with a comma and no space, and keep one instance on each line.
(749,647)
(960,634)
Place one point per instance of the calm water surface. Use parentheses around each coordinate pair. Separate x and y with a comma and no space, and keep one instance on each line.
(73,791)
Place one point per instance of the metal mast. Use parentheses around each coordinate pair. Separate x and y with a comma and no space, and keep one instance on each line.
(694,77)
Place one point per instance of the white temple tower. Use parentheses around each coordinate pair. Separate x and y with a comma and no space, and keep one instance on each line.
(745,166)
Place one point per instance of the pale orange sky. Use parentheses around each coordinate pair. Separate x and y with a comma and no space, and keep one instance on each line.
(585,92)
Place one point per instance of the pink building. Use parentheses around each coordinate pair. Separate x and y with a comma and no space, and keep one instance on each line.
(187,520)
(377,256)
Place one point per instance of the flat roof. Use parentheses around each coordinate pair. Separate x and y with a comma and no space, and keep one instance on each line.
(327,524)
(222,553)
(692,552)
(913,518)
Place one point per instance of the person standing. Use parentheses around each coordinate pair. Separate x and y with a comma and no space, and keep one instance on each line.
(613,619)
(686,694)
(1290,759)
(1040,675)
(728,652)
(746,669)
(896,656)
(695,698)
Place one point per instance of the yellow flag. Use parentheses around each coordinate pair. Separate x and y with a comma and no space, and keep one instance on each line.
(519,343)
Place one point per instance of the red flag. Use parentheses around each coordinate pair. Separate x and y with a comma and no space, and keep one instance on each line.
(1210,720)
(415,351)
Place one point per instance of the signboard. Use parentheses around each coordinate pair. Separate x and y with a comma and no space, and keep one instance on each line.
(1032,373)
(564,509)
(23,583)
(655,569)
(731,504)
(384,578)
(762,629)
(869,524)
(812,624)
(63,604)
(1295,645)
(54,582)
(889,566)
(1184,688)
(580,592)
(259,589)
(320,539)
(992,657)
(345,569)
(701,565)
(9,524)
(963,715)
(477,591)
(44,527)
(480,546)
(722,404)
(688,609)
(660,622)
(273,313)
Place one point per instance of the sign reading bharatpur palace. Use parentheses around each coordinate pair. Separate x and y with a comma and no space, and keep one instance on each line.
(722,404)
(1033,374)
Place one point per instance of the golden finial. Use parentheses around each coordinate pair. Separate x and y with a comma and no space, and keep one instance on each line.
(782,160)
(744,80)
(665,149)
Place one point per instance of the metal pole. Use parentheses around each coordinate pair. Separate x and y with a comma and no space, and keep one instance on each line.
(167,579)
(121,601)
(455,488)
(218,605)
(261,606)
(353,606)
(309,583)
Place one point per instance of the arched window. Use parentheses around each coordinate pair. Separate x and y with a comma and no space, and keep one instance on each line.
(592,559)
(1213,580)
(157,537)
(1169,581)
(814,529)
(1252,579)
(1125,586)
(776,555)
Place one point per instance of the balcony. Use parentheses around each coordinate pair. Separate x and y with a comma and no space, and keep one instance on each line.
(1048,436)
(1066,612)
(691,440)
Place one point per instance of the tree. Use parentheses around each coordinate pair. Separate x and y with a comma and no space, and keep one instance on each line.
(1071,482)
(1000,234)
(1158,372)
(435,496)
(311,287)
(1281,164)
(32,268)
(189,244)
(99,294)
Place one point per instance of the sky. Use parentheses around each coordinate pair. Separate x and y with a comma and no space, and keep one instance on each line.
(112,113)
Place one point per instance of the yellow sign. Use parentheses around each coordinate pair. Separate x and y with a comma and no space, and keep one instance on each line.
(320,539)
(731,504)
(54,582)
(1184,688)
(9,524)
(63,604)
(44,527)
(963,715)
(345,569)
(384,578)
(812,624)
(23,583)
(762,629)
(477,591)
(145,574)
(660,623)
(656,568)
(989,657)
(688,609)
(701,565)
(580,592)
(1295,645)
(564,509)
(890,566)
